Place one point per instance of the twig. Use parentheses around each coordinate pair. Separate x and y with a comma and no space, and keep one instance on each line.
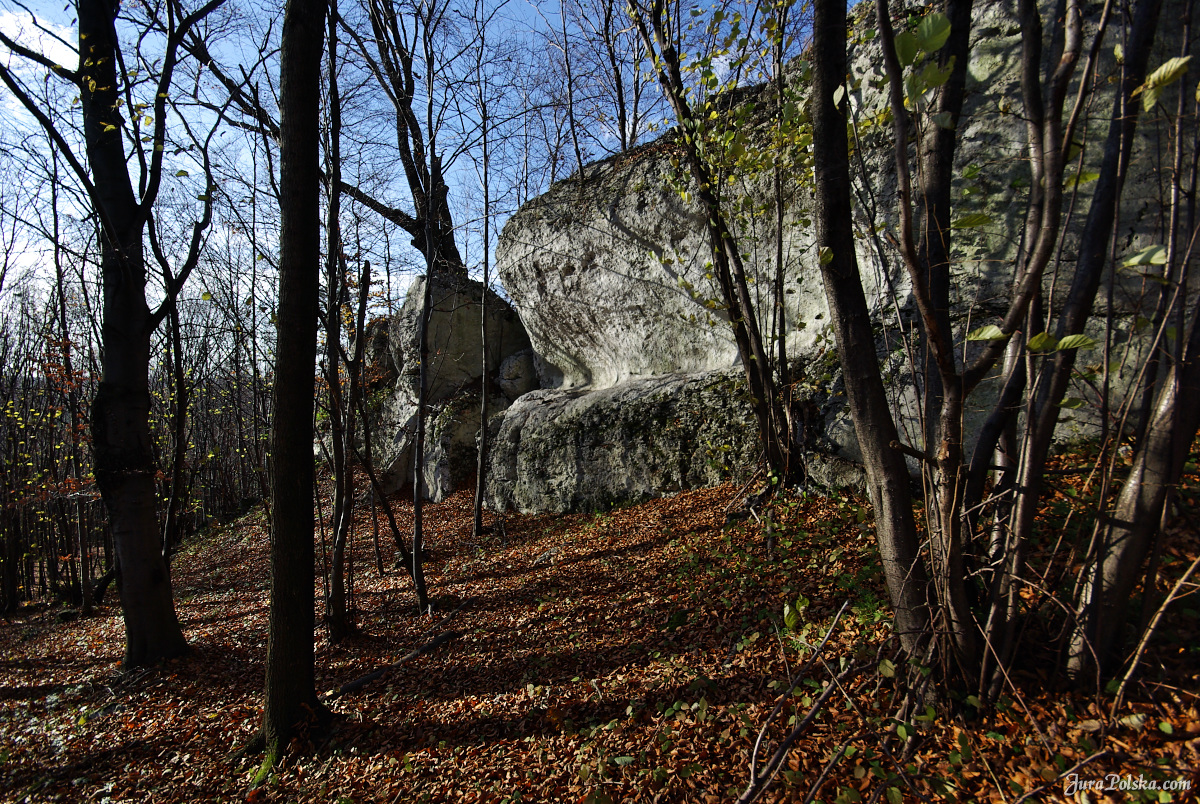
(1062,775)
(1148,633)
(448,617)
(833,760)
(743,489)
(913,452)
(759,782)
(359,683)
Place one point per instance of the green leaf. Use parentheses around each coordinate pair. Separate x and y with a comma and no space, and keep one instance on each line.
(182,173)
(206,296)
(109,127)
(1076,342)
(1150,97)
(1151,255)
(902,731)
(826,255)
(1042,342)
(914,90)
(1072,403)
(838,94)
(1165,727)
(971,221)
(933,31)
(888,670)
(894,796)
(989,333)
(791,617)
(934,76)
(1119,53)
(1169,73)
(1083,177)
(906,48)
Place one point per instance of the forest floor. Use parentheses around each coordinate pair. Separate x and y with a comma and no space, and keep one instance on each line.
(625,656)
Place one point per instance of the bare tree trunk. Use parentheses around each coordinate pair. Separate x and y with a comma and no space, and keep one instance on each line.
(290,696)
(124,461)
(1165,290)
(417,569)
(335,282)
(485,131)
(1127,532)
(1093,258)
(179,485)
(73,407)
(766,398)
(566,54)
(887,473)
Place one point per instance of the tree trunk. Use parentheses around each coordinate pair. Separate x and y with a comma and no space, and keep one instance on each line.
(887,473)
(1129,530)
(173,534)
(289,690)
(417,569)
(336,621)
(767,402)
(481,456)
(1093,259)
(124,461)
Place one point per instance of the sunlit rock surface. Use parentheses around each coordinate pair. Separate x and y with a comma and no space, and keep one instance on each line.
(455,382)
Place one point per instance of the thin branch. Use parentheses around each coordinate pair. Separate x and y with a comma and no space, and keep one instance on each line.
(760,781)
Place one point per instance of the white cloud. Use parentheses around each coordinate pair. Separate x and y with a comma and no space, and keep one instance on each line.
(53,43)
(19,26)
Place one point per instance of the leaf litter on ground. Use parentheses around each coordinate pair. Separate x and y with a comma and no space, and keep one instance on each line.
(630,655)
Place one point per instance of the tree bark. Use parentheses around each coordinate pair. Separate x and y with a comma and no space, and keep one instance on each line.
(887,473)
(1092,261)
(336,620)
(124,460)
(290,697)
(1129,529)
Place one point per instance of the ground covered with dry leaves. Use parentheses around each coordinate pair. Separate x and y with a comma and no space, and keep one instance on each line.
(626,656)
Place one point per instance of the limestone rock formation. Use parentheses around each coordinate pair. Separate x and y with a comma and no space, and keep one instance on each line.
(455,382)
(588,450)
(609,272)
(624,377)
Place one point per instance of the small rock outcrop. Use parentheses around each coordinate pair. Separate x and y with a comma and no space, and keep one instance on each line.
(455,382)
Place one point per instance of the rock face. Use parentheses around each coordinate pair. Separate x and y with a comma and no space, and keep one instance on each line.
(588,450)
(624,379)
(609,272)
(455,382)
(611,275)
